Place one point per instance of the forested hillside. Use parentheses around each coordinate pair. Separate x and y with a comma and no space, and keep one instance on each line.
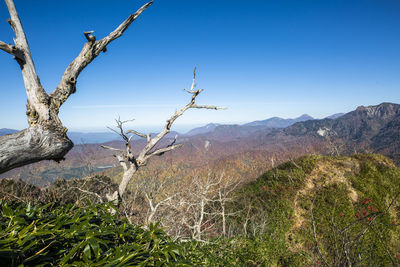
(311,211)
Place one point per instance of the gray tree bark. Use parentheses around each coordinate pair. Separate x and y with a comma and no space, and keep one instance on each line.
(46,138)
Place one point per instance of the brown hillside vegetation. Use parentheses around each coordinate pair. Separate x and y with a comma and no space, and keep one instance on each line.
(325,210)
(313,210)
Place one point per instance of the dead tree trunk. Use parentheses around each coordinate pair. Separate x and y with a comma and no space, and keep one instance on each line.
(131,163)
(46,138)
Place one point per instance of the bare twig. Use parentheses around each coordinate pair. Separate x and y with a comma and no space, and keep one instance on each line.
(315,231)
(89,37)
(88,192)
(376,228)
(129,161)
(111,148)
(137,133)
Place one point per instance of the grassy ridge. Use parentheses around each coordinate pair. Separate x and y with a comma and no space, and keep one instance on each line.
(354,200)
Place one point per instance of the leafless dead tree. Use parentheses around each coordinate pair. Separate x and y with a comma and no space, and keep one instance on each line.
(131,162)
(45,138)
(202,207)
(158,194)
(153,206)
(225,191)
(195,205)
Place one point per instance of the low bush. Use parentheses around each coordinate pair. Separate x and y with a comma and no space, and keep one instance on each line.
(70,236)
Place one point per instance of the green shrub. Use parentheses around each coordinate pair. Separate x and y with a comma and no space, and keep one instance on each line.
(72,236)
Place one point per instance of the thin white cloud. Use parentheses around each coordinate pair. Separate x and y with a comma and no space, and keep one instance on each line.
(124,106)
(261,103)
(176,105)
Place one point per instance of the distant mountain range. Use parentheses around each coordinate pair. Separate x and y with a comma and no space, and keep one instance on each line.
(226,132)
(361,124)
(92,138)
(5,131)
(374,127)
(88,138)
(241,130)
(202,130)
(377,127)
(276,122)
(335,116)
(366,129)
(232,131)
(103,137)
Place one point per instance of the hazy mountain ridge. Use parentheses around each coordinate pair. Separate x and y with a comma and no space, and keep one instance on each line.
(358,125)
(103,137)
(276,122)
(377,126)
(335,116)
(366,129)
(372,128)
(219,129)
(229,132)
(90,138)
(201,130)
(4,131)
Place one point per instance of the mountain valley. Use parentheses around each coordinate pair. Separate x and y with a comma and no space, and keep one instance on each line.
(257,145)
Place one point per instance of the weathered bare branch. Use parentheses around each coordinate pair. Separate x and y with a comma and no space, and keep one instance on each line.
(7,48)
(113,130)
(122,28)
(153,208)
(137,133)
(121,130)
(112,148)
(89,37)
(37,97)
(207,107)
(122,161)
(193,83)
(167,128)
(88,192)
(31,145)
(161,151)
(89,52)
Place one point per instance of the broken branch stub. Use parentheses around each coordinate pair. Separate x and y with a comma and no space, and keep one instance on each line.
(46,138)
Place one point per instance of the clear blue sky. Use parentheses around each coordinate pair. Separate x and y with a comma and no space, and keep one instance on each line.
(259,58)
